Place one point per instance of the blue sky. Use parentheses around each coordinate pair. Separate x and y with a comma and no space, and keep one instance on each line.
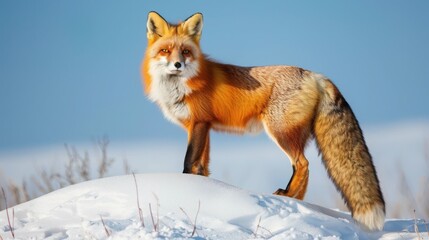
(70,70)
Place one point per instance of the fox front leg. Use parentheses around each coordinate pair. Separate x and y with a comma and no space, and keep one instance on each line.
(197,154)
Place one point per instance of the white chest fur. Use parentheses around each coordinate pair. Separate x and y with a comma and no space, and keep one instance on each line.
(169,92)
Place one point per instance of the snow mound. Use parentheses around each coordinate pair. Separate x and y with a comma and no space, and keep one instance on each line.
(171,203)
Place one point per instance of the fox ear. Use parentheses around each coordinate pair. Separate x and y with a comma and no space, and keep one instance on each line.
(193,26)
(156,25)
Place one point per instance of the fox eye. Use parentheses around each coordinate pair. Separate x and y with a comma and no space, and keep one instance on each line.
(164,50)
(186,52)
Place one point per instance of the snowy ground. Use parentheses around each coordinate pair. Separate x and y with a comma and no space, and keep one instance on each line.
(226,212)
(254,163)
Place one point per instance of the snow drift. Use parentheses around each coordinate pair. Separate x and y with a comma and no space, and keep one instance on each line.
(175,204)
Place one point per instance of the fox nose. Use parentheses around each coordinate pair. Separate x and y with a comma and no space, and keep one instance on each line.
(177,65)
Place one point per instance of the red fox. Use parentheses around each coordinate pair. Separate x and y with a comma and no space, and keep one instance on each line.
(291,104)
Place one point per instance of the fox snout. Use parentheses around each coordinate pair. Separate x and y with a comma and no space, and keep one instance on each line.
(172,65)
(175,67)
(178,67)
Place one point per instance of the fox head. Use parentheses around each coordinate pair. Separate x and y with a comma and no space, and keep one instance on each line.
(173,50)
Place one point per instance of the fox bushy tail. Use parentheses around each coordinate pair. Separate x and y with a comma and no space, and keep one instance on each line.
(347,159)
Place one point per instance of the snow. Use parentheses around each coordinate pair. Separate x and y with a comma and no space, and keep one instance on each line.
(251,163)
(221,211)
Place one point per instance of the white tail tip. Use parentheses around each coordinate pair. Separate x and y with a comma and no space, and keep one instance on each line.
(372,219)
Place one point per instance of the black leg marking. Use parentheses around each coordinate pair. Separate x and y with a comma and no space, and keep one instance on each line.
(196,146)
(290,180)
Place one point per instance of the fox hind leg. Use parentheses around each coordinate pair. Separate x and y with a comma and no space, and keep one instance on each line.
(293,145)
(289,121)
(298,183)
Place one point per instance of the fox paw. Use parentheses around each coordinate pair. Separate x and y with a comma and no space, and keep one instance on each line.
(281,192)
